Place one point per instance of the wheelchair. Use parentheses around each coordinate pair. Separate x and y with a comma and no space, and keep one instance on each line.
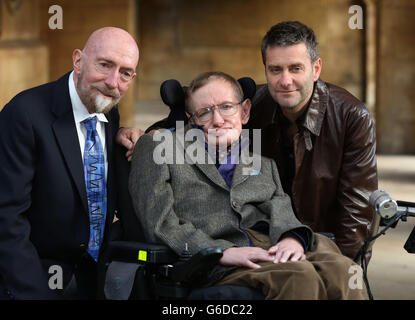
(137,270)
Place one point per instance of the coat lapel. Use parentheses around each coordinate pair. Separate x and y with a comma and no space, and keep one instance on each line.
(243,169)
(312,122)
(242,172)
(209,169)
(67,136)
(213,174)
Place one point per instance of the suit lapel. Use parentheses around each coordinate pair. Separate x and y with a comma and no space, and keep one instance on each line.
(67,136)
(108,138)
(213,174)
(206,167)
(242,172)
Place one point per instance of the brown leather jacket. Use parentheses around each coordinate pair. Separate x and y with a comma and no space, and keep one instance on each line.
(335,162)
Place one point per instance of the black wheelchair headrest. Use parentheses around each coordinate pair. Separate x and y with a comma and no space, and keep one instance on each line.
(172,92)
(248,87)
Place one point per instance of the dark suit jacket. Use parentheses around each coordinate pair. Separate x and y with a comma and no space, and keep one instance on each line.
(44,216)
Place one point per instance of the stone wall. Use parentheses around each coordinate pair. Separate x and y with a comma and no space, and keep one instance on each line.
(180,39)
(396,77)
(31,53)
(23,57)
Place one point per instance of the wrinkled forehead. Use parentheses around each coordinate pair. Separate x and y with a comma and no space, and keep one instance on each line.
(215,91)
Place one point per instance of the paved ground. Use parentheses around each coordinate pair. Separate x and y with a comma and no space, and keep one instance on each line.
(391,271)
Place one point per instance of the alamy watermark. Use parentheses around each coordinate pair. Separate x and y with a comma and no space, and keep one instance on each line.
(56,278)
(356,20)
(56,20)
(172,150)
(356,280)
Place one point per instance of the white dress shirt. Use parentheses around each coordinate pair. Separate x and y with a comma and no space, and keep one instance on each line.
(81,113)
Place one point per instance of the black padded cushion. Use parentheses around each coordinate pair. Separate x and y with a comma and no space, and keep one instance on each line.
(172,94)
(248,86)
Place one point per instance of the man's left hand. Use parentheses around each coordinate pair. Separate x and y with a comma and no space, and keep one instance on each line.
(128,137)
(288,249)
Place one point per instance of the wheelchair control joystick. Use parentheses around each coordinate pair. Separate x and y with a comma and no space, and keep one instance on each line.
(185,255)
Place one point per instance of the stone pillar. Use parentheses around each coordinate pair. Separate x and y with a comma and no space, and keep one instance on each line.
(23,57)
(371,40)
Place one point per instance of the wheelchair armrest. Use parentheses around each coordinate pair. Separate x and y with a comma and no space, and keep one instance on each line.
(177,269)
(198,265)
(128,251)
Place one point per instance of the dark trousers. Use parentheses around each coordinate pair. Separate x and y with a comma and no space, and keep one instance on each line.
(84,282)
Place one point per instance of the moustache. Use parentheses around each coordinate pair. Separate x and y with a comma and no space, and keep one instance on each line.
(114,93)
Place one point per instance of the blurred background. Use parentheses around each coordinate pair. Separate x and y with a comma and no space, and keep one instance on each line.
(181,38)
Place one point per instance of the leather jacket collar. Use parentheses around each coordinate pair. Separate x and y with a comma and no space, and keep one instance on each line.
(313,116)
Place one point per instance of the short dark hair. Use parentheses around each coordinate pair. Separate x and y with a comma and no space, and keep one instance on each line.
(205,78)
(289,33)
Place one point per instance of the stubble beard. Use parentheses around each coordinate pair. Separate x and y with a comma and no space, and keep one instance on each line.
(305,93)
(99,103)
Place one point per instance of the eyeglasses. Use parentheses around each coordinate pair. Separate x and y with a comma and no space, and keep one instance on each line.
(226,109)
(106,67)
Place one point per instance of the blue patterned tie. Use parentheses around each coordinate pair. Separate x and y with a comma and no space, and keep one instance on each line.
(94,170)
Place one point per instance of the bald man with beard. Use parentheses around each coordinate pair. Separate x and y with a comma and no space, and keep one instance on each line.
(51,237)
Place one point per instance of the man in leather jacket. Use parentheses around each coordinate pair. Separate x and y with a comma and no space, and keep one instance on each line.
(321,137)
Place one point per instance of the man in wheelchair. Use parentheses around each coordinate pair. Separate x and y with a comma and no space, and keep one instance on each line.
(230,197)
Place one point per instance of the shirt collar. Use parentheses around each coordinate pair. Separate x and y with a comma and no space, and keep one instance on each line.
(80,112)
(314,115)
